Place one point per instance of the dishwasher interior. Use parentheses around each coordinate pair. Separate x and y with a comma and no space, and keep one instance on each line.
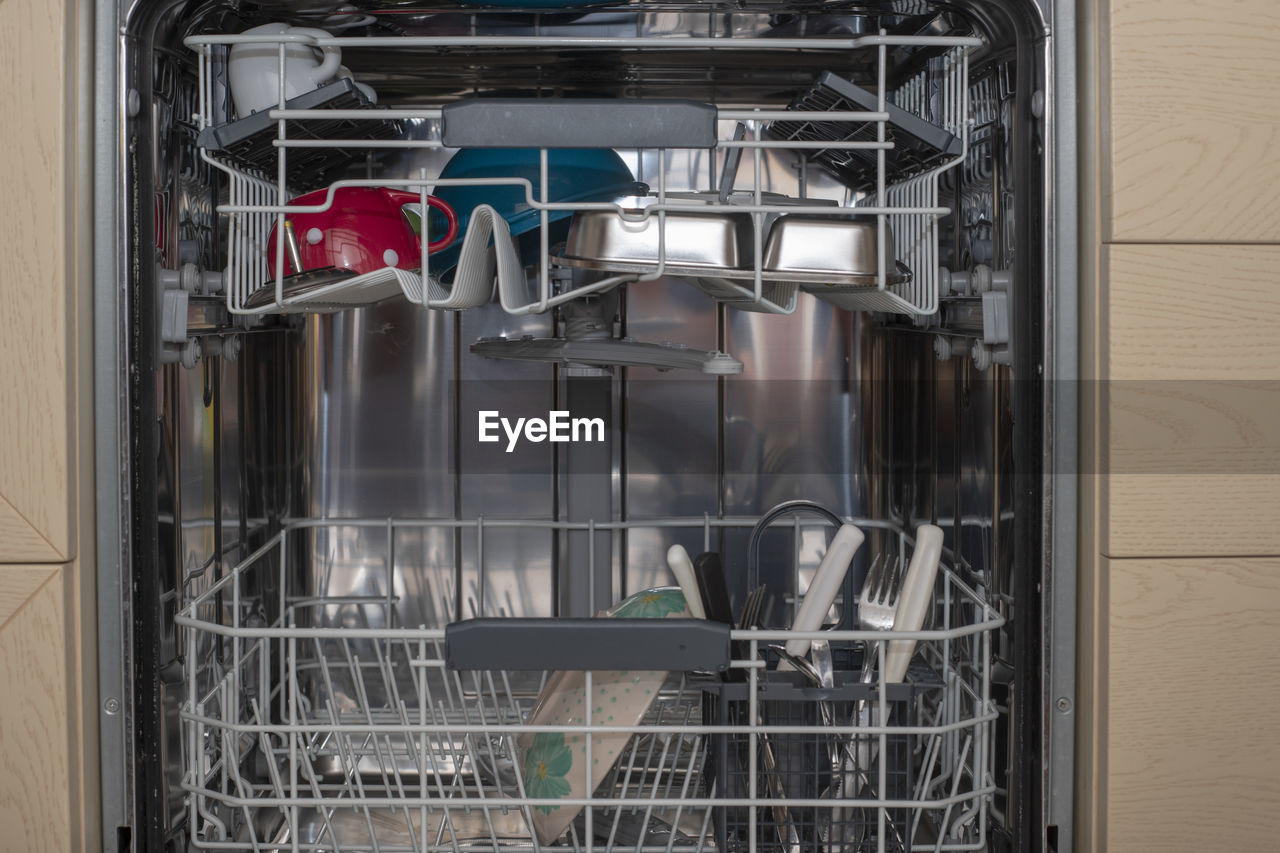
(357,618)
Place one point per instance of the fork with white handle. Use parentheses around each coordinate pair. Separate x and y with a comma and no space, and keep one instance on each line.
(878,605)
(885,604)
(877,608)
(891,601)
(909,611)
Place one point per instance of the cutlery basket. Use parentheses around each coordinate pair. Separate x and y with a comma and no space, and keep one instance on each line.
(826,809)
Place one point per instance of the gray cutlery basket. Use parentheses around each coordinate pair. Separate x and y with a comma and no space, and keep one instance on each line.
(802,772)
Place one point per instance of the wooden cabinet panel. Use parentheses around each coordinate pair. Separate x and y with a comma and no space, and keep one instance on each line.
(18,584)
(37,708)
(19,540)
(1193,704)
(1194,121)
(1192,312)
(36,329)
(1191,370)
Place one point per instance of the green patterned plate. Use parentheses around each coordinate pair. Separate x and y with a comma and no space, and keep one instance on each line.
(554,764)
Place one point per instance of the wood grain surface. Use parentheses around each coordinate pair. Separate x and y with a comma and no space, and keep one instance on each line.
(18,584)
(1176,312)
(1191,388)
(36,325)
(1193,704)
(37,704)
(1194,131)
(20,540)
(1178,698)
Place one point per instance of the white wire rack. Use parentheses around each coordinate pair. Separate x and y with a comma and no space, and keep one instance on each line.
(916,231)
(314,722)
(906,213)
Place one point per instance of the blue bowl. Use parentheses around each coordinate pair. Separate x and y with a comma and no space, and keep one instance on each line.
(574,175)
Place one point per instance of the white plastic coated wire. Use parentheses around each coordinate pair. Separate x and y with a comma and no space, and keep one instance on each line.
(313,721)
(906,213)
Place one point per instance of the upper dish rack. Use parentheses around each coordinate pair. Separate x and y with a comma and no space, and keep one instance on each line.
(892,216)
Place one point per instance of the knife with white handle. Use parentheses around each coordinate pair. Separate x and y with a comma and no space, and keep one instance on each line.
(914,600)
(682,567)
(824,587)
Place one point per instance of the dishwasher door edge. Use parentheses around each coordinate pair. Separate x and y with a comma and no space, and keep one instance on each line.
(109,414)
(1063,450)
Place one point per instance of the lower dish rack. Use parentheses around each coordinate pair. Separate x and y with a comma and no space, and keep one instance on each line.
(315,720)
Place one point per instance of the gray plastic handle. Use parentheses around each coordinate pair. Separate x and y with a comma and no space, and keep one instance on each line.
(582,644)
(577,123)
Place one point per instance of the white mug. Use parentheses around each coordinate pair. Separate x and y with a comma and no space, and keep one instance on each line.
(254,68)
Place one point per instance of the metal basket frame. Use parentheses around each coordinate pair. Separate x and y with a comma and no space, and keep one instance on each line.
(266,749)
(910,207)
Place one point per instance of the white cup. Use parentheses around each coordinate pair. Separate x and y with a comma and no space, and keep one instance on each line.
(254,68)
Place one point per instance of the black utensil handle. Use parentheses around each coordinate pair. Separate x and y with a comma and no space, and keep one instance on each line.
(709,571)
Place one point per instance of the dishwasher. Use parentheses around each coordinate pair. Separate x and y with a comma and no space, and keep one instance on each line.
(609,426)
